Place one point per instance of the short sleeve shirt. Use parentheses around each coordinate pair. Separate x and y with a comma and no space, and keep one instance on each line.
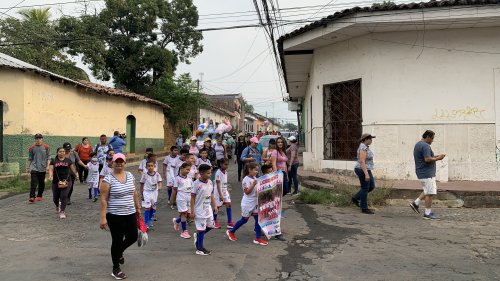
(151,181)
(169,162)
(219,151)
(183,184)
(200,161)
(292,148)
(93,172)
(222,178)
(62,170)
(423,170)
(202,203)
(249,199)
(121,195)
(368,160)
(280,160)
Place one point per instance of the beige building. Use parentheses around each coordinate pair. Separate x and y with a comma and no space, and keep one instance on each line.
(215,115)
(63,110)
(395,72)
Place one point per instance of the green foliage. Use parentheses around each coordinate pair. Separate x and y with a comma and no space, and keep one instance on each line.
(135,42)
(15,184)
(186,132)
(247,107)
(290,127)
(46,52)
(181,95)
(341,195)
(384,4)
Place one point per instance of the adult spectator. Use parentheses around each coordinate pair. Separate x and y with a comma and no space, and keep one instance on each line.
(425,168)
(117,142)
(266,154)
(241,144)
(279,161)
(292,153)
(75,159)
(251,153)
(363,169)
(220,150)
(193,148)
(60,171)
(207,144)
(38,164)
(179,141)
(119,211)
(101,150)
(84,149)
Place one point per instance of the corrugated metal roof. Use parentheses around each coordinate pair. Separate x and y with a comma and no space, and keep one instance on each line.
(7,61)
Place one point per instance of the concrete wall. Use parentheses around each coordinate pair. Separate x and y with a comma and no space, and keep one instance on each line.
(212,115)
(449,87)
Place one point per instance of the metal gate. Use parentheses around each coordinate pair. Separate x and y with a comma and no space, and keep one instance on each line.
(342,119)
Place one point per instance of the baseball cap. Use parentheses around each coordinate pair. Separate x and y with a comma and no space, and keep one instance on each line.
(207,139)
(119,156)
(292,138)
(95,159)
(67,146)
(254,140)
(38,136)
(193,138)
(366,136)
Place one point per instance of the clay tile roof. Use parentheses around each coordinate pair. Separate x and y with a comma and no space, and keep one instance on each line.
(385,7)
(120,93)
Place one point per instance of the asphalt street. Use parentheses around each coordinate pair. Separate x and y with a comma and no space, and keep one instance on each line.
(323,243)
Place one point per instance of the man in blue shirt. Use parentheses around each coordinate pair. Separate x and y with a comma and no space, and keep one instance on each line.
(425,168)
(117,142)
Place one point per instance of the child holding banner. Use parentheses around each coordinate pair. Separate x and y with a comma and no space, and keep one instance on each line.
(249,205)
(272,206)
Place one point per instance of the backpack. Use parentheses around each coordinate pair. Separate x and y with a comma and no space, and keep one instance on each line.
(97,147)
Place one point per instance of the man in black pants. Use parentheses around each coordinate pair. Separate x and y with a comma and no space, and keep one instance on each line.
(38,163)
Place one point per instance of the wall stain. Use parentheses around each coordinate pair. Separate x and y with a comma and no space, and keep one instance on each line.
(468,113)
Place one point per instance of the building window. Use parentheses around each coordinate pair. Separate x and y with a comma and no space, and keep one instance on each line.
(342,119)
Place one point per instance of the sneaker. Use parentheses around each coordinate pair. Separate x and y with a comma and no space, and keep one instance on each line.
(355,201)
(32,200)
(121,260)
(150,224)
(414,207)
(95,199)
(176,225)
(118,274)
(62,215)
(39,198)
(57,210)
(260,241)
(230,225)
(172,207)
(203,252)
(185,234)
(230,235)
(367,211)
(432,216)
(153,217)
(217,225)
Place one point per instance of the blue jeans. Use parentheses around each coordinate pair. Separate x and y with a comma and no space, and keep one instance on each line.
(365,188)
(286,189)
(293,178)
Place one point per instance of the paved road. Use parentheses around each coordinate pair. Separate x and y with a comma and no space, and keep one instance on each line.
(325,243)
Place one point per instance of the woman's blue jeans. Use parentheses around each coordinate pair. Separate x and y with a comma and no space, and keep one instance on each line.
(365,188)
(293,178)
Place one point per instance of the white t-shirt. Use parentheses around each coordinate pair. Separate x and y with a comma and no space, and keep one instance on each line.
(183,184)
(142,165)
(178,164)
(203,200)
(193,172)
(151,181)
(170,163)
(106,170)
(200,161)
(249,199)
(93,172)
(222,177)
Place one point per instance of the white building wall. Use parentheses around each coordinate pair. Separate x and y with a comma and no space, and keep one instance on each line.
(448,87)
(212,115)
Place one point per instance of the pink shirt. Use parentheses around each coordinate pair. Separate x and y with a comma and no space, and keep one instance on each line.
(280,160)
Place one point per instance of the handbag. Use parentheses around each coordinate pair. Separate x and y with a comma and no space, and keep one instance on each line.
(61,184)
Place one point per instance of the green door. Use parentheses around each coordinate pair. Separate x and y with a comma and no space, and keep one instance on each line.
(130,134)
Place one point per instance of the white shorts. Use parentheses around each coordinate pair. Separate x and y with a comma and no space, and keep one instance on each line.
(150,199)
(170,180)
(249,210)
(429,186)
(183,201)
(203,223)
(225,195)
(93,184)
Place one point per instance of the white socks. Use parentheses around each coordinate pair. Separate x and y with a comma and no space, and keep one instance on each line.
(427,212)
(417,201)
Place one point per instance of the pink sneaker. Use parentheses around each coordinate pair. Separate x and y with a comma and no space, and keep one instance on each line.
(217,225)
(176,225)
(260,241)
(62,215)
(185,234)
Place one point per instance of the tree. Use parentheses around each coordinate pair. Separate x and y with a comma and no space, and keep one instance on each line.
(181,95)
(136,42)
(43,51)
(247,107)
(290,127)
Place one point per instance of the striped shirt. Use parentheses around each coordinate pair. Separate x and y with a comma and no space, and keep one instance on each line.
(121,195)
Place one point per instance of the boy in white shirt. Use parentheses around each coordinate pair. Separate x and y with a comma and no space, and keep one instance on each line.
(169,169)
(221,193)
(183,185)
(151,182)
(93,177)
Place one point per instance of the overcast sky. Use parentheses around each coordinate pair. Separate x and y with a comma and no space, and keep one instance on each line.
(233,61)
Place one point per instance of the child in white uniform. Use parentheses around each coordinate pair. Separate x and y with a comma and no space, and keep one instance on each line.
(221,194)
(151,182)
(169,169)
(93,178)
(183,185)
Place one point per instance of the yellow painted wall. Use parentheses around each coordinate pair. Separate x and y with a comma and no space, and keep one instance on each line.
(34,103)
(11,94)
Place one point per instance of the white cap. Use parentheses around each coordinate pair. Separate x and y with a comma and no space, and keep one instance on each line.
(292,138)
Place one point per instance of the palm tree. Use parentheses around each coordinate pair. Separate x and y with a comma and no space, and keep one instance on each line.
(41,15)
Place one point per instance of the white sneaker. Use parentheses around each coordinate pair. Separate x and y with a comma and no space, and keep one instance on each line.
(62,215)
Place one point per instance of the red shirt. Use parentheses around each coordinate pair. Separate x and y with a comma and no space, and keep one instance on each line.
(83,152)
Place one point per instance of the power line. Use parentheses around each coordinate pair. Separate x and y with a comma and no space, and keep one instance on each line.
(8,9)
(48,4)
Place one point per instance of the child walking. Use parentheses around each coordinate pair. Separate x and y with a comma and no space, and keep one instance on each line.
(169,168)
(202,202)
(93,177)
(151,182)
(249,205)
(183,185)
(221,193)
(150,156)
(193,173)
(203,159)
